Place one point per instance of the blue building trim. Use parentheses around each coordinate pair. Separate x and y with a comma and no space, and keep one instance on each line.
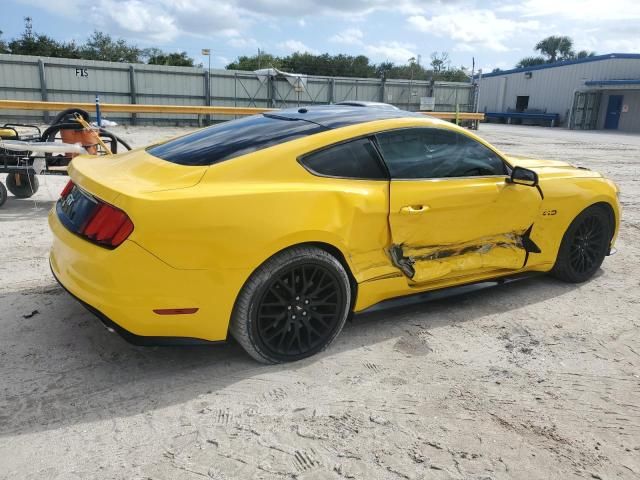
(596,58)
(611,82)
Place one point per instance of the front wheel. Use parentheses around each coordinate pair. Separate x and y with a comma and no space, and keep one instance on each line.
(293,306)
(584,246)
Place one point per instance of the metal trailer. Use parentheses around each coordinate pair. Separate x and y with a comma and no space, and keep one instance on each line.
(44,153)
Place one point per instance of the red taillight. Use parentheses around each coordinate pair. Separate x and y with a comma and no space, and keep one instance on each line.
(67,189)
(108,226)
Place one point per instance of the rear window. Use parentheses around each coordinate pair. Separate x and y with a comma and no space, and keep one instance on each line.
(232,139)
(354,159)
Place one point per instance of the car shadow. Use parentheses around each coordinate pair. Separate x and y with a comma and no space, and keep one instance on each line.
(59,367)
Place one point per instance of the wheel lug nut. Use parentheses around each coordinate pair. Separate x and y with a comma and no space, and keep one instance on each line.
(293,316)
(289,307)
(304,314)
(306,302)
(297,298)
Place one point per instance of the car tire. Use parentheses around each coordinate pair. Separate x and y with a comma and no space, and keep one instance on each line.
(3,194)
(29,185)
(293,306)
(584,246)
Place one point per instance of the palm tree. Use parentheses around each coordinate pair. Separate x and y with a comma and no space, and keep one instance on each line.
(556,48)
(530,62)
(585,54)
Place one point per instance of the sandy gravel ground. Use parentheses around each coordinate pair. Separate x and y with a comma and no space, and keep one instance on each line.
(535,379)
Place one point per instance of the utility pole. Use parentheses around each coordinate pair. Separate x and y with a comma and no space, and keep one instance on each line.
(207,52)
(473,69)
(412,61)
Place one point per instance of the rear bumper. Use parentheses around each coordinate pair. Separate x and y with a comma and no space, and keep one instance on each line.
(124,286)
(132,337)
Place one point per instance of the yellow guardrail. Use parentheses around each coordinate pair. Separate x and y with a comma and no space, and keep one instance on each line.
(128,107)
(180,109)
(453,115)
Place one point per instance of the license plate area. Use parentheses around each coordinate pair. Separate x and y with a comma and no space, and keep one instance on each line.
(75,209)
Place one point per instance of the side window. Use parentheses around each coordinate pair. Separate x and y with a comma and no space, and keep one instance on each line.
(477,160)
(354,159)
(436,153)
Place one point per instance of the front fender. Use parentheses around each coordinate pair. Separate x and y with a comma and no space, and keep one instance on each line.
(564,199)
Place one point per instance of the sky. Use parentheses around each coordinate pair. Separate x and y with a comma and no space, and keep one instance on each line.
(496,33)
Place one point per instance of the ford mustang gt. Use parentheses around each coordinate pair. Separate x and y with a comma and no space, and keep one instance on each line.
(274,228)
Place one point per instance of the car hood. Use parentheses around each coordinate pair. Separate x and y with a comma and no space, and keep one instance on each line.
(551,168)
(134,173)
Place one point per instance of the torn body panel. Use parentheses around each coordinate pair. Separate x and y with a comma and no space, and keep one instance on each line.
(422,263)
(463,226)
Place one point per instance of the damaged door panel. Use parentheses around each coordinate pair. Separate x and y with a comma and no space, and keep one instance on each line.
(471,225)
(430,262)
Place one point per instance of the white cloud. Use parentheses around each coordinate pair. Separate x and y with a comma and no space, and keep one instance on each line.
(593,25)
(580,10)
(296,46)
(137,18)
(332,7)
(220,60)
(619,45)
(242,42)
(495,30)
(162,21)
(394,51)
(474,27)
(350,36)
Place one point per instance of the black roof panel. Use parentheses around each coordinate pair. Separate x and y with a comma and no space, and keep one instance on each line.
(232,139)
(336,116)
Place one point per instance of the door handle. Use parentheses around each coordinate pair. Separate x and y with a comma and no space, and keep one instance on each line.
(413,209)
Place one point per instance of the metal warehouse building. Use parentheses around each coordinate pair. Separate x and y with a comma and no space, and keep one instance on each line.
(600,92)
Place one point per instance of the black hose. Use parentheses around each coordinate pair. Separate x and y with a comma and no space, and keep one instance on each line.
(50,133)
(68,115)
(66,121)
(117,138)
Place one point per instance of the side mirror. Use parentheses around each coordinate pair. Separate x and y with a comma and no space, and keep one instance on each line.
(524,176)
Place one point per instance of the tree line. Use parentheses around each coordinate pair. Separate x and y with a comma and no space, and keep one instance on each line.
(99,46)
(342,65)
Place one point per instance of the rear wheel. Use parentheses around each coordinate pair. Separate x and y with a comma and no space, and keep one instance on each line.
(584,246)
(22,185)
(293,306)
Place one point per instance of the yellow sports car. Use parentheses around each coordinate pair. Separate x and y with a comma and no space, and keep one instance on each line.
(275,227)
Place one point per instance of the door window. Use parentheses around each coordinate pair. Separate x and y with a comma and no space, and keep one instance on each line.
(422,153)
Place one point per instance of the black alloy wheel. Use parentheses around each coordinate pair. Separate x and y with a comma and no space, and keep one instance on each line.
(299,310)
(584,246)
(293,306)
